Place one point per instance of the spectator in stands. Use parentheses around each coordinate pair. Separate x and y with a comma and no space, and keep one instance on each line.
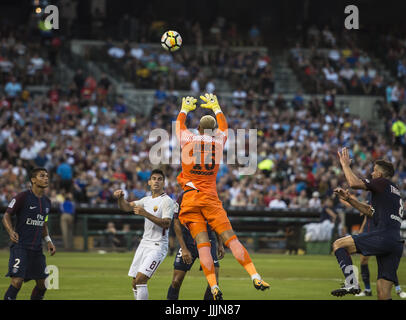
(366,81)
(12,89)
(79,80)
(292,241)
(116,52)
(346,75)
(195,86)
(210,86)
(67,209)
(315,201)
(255,35)
(65,173)
(277,202)
(239,96)
(112,240)
(327,212)
(239,201)
(395,97)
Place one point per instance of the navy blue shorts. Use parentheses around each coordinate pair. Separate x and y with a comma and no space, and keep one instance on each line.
(26,264)
(388,252)
(180,265)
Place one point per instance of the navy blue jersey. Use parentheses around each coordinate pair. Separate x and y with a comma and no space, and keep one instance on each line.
(371,222)
(31,213)
(388,206)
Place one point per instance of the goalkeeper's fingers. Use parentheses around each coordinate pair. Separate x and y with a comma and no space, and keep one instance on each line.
(205,99)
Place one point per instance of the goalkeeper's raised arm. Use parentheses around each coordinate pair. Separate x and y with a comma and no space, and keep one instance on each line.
(211,102)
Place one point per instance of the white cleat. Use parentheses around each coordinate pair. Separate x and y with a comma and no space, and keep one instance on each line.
(365,293)
(401,294)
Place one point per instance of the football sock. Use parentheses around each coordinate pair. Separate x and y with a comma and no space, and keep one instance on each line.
(135,293)
(365,276)
(345,262)
(206,261)
(173,293)
(37,293)
(142,292)
(398,288)
(242,256)
(208,295)
(11,293)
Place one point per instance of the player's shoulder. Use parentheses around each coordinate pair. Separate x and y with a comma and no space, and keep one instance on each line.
(22,195)
(167,199)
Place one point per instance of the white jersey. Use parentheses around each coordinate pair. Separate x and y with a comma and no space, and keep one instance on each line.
(161,207)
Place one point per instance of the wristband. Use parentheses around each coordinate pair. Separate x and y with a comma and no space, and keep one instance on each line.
(48,239)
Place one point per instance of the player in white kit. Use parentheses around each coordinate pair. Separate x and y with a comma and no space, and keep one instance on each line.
(153,248)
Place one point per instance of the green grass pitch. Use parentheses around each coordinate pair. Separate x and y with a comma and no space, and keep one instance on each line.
(93,276)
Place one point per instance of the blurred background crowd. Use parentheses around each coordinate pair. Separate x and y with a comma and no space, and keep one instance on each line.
(93,143)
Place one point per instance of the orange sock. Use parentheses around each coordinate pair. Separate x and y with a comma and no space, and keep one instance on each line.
(206,261)
(241,254)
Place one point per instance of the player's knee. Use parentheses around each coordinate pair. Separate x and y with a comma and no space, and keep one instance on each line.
(176,283)
(363,260)
(17,282)
(337,245)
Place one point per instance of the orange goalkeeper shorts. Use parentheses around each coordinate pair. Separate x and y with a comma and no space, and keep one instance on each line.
(197,208)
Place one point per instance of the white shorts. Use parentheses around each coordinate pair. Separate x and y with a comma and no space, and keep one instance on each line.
(146,261)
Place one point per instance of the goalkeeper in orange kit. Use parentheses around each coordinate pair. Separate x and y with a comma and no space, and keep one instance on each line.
(201,156)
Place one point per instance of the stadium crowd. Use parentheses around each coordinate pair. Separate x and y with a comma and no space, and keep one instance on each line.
(150,67)
(326,60)
(92,147)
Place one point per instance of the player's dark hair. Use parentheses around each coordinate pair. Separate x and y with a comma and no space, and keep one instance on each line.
(157,171)
(387,168)
(35,171)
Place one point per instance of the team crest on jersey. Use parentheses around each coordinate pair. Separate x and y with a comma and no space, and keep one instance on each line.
(155,208)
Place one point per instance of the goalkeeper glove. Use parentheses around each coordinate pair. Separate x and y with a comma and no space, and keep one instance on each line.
(211,102)
(188,104)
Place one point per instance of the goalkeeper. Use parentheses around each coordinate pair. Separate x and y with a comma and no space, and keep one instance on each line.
(201,156)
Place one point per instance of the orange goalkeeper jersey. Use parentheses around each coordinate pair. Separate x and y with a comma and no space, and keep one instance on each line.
(201,155)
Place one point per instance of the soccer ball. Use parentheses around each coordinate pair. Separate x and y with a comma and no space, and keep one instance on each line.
(171,40)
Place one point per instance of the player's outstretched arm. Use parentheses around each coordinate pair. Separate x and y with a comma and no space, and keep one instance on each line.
(188,104)
(353,181)
(122,203)
(211,102)
(363,208)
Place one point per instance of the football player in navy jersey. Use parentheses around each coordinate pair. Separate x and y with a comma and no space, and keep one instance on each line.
(384,242)
(31,209)
(368,225)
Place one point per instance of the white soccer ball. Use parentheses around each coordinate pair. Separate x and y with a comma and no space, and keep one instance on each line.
(171,40)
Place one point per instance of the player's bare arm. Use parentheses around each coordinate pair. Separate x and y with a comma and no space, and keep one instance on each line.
(186,255)
(45,235)
(353,181)
(363,208)
(9,227)
(162,222)
(364,222)
(122,203)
